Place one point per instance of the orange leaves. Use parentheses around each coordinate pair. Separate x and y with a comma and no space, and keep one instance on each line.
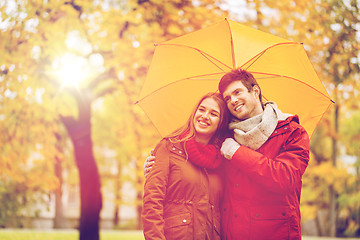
(331,175)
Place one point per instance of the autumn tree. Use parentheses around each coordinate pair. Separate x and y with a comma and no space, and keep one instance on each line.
(67,54)
(328,30)
(44,97)
(336,35)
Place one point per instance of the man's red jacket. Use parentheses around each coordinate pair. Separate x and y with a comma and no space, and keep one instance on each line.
(262,187)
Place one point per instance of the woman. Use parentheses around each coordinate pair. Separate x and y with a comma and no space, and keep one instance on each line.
(181,199)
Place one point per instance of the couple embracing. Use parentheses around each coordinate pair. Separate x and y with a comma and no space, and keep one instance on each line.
(233,171)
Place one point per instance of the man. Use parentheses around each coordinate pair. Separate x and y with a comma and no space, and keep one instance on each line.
(266,162)
(266,159)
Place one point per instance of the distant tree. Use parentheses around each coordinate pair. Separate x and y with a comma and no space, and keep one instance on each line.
(329,31)
(115,39)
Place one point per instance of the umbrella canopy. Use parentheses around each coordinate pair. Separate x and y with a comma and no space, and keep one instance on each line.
(185,68)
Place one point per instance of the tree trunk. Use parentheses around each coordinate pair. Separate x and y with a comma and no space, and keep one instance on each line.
(59,216)
(138,167)
(90,194)
(90,186)
(332,192)
(357,218)
(116,215)
(332,212)
(139,199)
(118,186)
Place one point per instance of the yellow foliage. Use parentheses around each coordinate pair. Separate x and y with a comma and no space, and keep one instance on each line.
(124,36)
(308,212)
(331,175)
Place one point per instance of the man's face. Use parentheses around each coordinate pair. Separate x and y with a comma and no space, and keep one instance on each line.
(241,103)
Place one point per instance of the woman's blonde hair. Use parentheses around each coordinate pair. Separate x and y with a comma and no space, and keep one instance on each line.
(187,131)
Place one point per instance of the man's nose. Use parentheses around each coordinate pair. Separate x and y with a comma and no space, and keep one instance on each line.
(233,99)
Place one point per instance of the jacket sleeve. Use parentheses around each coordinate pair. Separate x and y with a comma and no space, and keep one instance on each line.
(207,156)
(281,173)
(154,195)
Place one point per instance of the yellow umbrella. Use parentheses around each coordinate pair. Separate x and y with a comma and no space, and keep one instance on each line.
(185,68)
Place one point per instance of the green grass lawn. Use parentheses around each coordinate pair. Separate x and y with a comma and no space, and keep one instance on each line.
(14,234)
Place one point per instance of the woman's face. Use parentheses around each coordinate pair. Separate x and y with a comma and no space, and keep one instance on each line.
(206,120)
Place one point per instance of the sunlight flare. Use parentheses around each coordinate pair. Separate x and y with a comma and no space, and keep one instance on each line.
(71,70)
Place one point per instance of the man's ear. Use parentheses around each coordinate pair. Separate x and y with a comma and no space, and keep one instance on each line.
(256,90)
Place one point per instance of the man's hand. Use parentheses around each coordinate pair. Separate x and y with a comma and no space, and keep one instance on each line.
(229,147)
(149,162)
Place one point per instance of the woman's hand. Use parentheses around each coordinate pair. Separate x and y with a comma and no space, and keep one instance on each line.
(149,162)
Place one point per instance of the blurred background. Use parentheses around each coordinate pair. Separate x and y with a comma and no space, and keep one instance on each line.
(71,71)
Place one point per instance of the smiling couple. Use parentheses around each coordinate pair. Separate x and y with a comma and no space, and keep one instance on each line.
(220,179)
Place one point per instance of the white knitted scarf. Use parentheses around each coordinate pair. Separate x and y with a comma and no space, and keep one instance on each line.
(255,131)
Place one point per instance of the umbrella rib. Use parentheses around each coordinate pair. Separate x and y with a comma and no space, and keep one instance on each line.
(232,44)
(204,54)
(207,57)
(276,75)
(183,79)
(157,129)
(321,116)
(257,56)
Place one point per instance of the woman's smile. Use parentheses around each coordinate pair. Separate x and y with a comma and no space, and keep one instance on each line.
(206,120)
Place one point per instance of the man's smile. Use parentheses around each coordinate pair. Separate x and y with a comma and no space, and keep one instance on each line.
(238,107)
